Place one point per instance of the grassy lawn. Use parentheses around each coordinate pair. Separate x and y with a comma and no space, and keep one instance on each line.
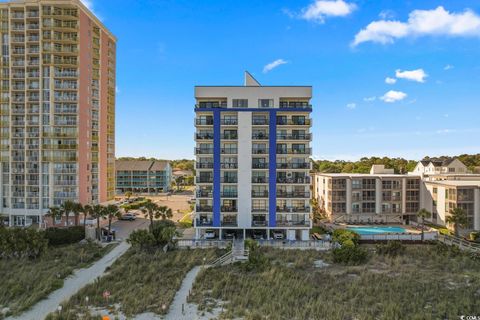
(426,282)
(139,282)
(24,282)
(186,221)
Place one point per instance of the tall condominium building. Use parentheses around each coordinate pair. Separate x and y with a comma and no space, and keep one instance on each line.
(57,108)
(252,160)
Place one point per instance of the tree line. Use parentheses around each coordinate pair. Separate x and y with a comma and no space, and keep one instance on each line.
(399,165)
(182,164)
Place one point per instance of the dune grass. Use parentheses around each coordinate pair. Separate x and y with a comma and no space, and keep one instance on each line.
(24,282)
(425,282)
(139,282)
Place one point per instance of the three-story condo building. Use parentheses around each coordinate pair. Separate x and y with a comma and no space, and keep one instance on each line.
(253,161)
(57,108)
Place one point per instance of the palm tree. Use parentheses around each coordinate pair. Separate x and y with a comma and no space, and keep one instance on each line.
(98,212)
(67,207)
(55,213)
(77,208)
(150,210)
(423,213)
(168,235)
(111,211)
(87,211)
(457,217)
(128,194)
(164,212)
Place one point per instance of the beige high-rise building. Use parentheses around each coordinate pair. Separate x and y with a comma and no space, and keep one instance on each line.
(57,108)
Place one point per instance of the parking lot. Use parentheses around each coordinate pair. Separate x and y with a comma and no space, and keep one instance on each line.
(179,203)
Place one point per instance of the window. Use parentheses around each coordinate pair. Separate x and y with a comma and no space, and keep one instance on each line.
(265,103)
(240,103)
(282,120)
(230,120)
(356,184)
(356,208)
(298,120)
(259,120)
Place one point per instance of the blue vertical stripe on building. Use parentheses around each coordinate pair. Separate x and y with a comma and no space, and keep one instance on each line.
(216,167)
(272,170)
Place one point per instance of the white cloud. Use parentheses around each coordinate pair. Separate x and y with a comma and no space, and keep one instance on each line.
(117,90)
(448,67)
(369,99)
(321,9)
(351,105)
(386,14)
(273,65)
(417,75)
(393,96)
(389,80)
(435,22)
(446,131)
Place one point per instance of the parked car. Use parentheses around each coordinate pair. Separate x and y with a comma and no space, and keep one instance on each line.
(278,235)
(258,235)
(209,234)
(128,216)
(229,235)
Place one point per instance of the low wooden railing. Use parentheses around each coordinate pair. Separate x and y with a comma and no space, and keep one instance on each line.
(459,242)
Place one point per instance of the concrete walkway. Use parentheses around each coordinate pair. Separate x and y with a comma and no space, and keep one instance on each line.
(72,285)
(180,309)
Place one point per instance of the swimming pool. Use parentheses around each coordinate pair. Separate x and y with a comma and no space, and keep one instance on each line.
(377,230)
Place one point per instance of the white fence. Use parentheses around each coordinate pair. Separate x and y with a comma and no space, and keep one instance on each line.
(279,244)
(399,236)
(296,244)
(202,244)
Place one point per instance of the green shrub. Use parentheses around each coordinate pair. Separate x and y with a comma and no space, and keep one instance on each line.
(62,236)
(162,233)
(142,239)
(135,205)
(346,237)
(391,248)
(256,259)
(185,225)
(350,255)
(22,243)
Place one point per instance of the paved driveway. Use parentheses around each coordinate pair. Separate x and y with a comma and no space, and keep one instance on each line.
(124,228)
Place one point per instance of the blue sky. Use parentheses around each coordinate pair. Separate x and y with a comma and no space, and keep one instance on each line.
(345,49)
